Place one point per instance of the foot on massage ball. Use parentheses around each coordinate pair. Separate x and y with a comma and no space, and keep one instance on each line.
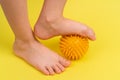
(73,47)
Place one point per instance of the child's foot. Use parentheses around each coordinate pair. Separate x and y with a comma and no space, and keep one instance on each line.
(45,29)
(40,57)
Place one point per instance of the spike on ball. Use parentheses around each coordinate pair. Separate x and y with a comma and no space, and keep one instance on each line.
(73,47)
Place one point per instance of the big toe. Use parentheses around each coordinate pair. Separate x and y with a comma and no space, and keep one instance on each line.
(64,62)
(90,34)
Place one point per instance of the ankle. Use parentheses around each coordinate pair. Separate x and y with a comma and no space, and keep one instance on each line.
(50,19)
(23,42)
(53,19)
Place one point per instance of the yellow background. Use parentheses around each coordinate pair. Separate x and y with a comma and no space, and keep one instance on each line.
(102,61)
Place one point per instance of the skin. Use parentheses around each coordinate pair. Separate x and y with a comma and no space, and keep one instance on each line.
(48,25)
(51,20)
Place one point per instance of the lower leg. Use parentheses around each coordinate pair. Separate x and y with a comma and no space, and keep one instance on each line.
(52,22)
(25,45)
(16,15)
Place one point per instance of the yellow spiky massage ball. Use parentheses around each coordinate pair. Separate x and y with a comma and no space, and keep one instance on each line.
(73,47)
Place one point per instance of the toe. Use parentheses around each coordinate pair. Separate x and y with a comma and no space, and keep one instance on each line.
(90,34)
(44,70)
(61,67)
(57,69)
(50,69)
(64,62)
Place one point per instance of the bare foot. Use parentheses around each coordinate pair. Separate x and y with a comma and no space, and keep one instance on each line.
(40,57)
(45,29)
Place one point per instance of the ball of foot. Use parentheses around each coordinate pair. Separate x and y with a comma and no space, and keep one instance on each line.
(73,47)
